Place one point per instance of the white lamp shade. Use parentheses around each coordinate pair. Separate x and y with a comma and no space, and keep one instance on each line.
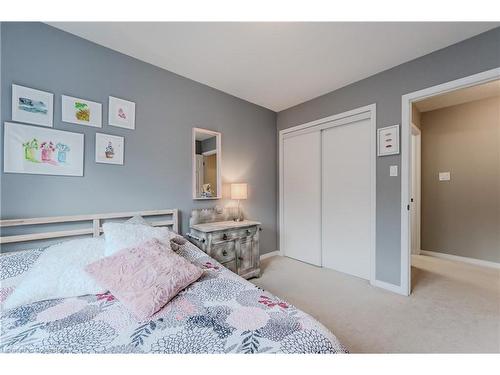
(239,191)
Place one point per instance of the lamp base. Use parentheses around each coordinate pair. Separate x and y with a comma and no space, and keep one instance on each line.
(238,218)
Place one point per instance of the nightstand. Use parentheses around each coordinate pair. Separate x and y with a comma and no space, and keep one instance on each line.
(234,244)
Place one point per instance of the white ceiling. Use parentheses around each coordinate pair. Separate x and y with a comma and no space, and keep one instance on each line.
(201,136)
(275,65)
(469,94)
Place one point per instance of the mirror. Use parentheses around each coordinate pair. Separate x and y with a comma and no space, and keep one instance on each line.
(206,164)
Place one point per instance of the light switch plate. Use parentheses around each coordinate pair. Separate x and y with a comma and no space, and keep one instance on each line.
(393,170)
(444,176)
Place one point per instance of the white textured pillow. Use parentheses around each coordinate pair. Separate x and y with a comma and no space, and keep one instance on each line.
(119,236)
(137,219)
(59,273)
(176,241)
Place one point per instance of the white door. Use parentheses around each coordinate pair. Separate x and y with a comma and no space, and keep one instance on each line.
(347,199)
(301,231)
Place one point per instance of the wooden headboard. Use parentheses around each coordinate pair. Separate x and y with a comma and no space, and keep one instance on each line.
(94,227)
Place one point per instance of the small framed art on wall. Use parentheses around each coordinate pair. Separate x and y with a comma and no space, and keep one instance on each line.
(109,149)
(388,140)
(121,113)
(80,111)
(32,106)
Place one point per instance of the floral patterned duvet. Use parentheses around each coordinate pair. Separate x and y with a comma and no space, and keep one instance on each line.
(220,313)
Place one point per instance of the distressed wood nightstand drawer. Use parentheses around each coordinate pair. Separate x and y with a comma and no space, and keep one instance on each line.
(223,251)
(231,234)
(231,266)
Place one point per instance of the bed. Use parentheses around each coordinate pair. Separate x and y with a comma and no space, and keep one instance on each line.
(219,313)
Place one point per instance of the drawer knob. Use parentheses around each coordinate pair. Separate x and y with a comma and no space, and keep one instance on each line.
(224,253)
(224,236)
(248,232)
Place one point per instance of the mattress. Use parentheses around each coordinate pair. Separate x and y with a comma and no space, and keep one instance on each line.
(220,313)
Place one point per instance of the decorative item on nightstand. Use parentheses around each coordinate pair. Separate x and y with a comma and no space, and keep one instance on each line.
(239,192)
(233,244)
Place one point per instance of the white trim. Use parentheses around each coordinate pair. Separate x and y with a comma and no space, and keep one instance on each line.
(365,112)
(415,132)
(406,101)
(477,262)
(338,116)
(218,149)
(328,124)
(271,254)
(415,129)
(208,153)
(390,287)
(373,150)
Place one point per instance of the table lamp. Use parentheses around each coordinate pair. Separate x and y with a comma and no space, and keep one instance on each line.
(239,192)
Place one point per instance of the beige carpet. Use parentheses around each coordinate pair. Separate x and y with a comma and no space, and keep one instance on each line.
(454,307)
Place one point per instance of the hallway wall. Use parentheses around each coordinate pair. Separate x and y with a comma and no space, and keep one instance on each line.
(462,216)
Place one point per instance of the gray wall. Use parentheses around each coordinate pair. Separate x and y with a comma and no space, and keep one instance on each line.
(385,89)
(157,170)
(462,216)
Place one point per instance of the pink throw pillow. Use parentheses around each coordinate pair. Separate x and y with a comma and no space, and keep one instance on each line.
(144,277)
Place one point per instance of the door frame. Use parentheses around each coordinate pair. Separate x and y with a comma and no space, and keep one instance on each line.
(416,132)
(357,114)
(406,102)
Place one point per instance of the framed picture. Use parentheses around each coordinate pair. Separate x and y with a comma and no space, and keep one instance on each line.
(388,140)
(109,149)
(35,150)
(80,111)
(32,106)
(121,113)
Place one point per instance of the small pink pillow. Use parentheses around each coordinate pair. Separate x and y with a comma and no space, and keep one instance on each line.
(144,277)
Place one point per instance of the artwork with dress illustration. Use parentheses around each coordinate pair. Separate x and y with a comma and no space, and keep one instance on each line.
(121,113)
(35,150)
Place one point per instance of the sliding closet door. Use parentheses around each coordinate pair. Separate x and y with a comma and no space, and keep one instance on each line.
(301,229)
(346,186)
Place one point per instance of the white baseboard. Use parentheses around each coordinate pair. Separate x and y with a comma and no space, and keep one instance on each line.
(477,262)
(269,255)
(390,287)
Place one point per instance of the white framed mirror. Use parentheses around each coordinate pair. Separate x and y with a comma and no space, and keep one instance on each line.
(207,182)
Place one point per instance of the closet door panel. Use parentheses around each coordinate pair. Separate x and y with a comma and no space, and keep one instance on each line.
(346,200)
(301,235)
